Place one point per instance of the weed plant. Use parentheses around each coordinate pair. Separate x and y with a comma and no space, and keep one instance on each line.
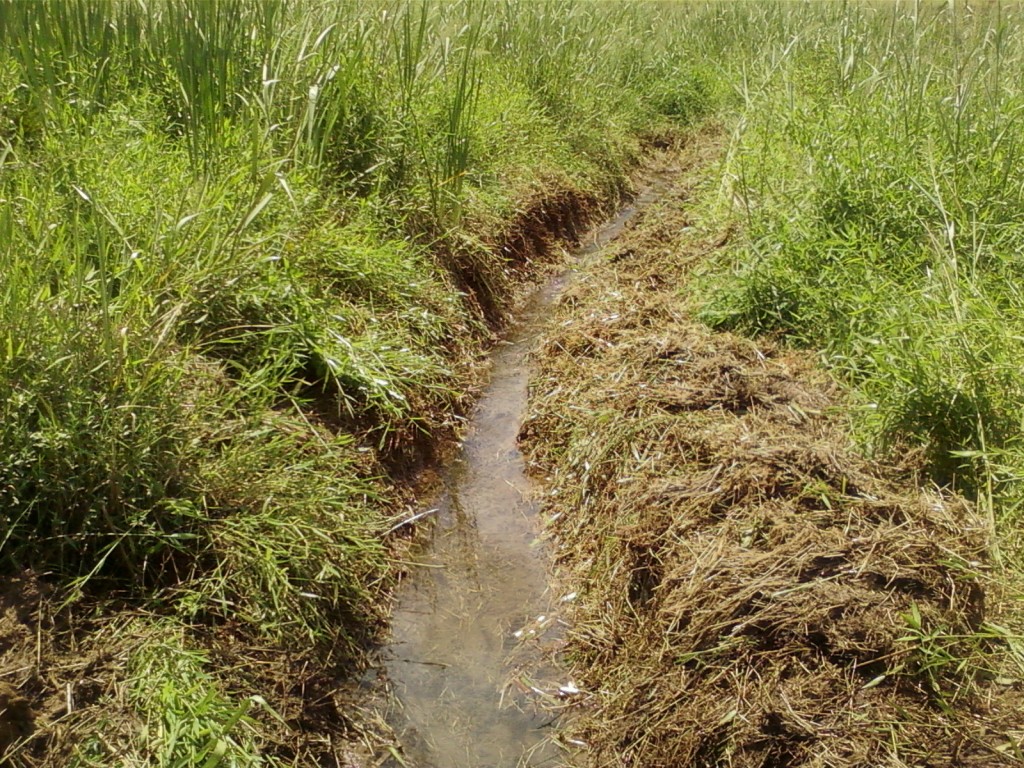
(876,170)
(233,238)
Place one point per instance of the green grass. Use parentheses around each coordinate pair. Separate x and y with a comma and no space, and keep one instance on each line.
(248,251)
(181,714)
(245,246)
(876,172)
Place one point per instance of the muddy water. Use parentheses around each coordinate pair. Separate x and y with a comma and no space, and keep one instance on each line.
(481,578)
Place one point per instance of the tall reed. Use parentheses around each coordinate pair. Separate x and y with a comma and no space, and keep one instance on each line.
(243,248)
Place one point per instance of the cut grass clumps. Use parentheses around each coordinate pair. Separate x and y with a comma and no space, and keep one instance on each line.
(747,590)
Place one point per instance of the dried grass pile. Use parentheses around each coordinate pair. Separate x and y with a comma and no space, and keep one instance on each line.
(750,591)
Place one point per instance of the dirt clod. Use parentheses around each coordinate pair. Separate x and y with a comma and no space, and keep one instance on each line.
(16,717)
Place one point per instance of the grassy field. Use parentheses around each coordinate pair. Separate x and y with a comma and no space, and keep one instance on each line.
(250,250)
(875,171)
(864,218)
(249,253)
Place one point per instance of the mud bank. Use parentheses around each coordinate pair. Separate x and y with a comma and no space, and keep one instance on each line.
(750,591)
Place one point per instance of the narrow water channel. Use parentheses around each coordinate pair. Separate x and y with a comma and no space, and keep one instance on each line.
(481,576)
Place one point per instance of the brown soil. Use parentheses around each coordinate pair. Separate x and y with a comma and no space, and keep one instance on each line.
(751,592)
(490,271)
(16,717)
(21,684)
(46,679)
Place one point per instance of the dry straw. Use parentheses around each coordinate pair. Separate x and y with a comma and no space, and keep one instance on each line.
(751,592)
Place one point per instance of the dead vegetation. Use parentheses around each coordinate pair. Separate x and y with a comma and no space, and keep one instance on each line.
(751,592)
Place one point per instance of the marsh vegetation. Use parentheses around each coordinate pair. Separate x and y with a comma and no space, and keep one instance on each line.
(251,250)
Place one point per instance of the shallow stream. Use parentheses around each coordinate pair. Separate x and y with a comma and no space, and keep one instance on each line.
(480,579)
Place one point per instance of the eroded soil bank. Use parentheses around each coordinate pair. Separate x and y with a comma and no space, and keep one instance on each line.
(63,670)
(477,582)
(750,591)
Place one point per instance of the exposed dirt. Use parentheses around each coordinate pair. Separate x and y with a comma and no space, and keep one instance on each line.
(17,641)
(16,716)
(46,678)
(532,237)
(749,590)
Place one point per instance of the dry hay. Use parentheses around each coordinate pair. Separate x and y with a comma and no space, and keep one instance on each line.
(751,592)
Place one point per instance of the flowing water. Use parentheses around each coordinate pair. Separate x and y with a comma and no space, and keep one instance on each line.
(481,577)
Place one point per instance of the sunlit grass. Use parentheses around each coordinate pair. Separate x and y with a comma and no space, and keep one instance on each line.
(877,171)
(244,246)
(236,237)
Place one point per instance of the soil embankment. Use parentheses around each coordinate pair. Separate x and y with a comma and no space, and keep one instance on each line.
(63,671)
(749,591)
